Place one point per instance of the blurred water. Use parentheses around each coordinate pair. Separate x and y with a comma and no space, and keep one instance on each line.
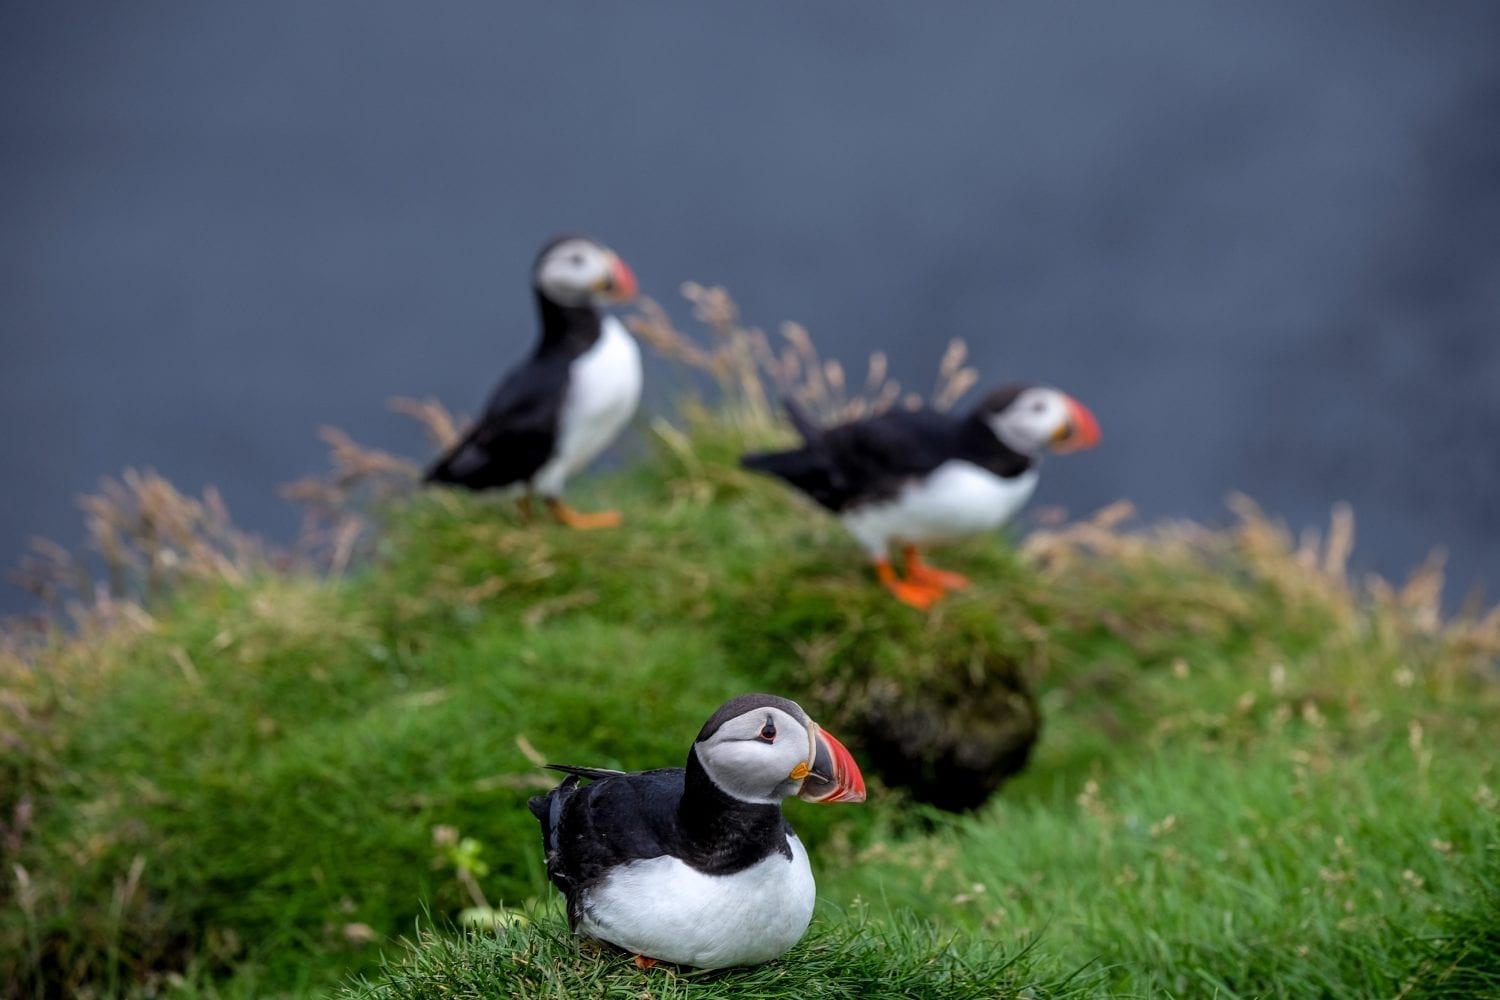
(1261,241)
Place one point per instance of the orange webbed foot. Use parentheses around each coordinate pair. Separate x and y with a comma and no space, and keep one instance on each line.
(939,579)
(643,963)
(564,514)
(911,592)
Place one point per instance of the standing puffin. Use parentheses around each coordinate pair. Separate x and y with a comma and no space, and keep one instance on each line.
(562,406)
(696,865)
(911,476)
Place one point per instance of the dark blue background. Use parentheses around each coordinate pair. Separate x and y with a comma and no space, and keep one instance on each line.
(1262,240)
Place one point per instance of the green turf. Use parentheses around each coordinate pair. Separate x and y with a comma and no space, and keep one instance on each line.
(847,956)
(1250,781)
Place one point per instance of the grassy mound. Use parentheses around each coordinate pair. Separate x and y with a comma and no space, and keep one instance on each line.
(850,959)
(1255,778)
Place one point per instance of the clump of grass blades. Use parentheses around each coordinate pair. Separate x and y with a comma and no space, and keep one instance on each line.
(853,958)
(751,370)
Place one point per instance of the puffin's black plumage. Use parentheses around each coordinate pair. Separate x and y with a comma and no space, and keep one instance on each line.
(914,476)
(696,865)
(517,432)
(870,460)
(623,817)
(559,408)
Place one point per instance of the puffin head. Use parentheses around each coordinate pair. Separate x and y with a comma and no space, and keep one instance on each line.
(578,271)
(1030,418)
(761,748)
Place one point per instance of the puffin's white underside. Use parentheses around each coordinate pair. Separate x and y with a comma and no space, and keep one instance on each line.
(957,498)
(604,389)
(662,908)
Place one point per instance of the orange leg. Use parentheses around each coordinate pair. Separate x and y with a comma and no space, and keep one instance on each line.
(564,514)
(527,512)
(918,595)
(643,963)
(919,572)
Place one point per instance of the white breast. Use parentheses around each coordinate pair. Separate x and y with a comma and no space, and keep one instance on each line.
(604,389)
(957,498)
(664,909)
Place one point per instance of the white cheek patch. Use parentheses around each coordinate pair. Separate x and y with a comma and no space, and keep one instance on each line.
(1026,432)
(748,771)
(752,770)
(568,282)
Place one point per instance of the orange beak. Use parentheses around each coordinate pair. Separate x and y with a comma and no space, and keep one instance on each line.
(622,286)
(1080,431)
(834,776)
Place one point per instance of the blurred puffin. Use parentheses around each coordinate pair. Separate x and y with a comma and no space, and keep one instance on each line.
(555,412)
(696,865)
(912,476)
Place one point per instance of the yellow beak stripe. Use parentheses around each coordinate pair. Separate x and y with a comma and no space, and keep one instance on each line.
(800,771)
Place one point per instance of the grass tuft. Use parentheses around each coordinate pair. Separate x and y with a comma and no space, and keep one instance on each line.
(851,957)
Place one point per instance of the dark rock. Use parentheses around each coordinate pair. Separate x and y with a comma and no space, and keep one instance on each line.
(952,750)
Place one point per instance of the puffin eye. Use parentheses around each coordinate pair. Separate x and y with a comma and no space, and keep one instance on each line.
(576,259)
(768,732)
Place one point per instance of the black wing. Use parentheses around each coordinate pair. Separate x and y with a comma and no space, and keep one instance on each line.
(867,459)
(589,829)
(592,773)
(517,432)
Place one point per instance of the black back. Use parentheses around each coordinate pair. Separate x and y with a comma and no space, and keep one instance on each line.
(870,460)
(590,829)
(517,433)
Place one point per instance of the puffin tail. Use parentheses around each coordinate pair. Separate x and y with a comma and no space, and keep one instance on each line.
(458,465)
(810,468)
(548,810)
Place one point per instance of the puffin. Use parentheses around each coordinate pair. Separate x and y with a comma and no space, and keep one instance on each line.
(907,477)
(563,405)
(696,865)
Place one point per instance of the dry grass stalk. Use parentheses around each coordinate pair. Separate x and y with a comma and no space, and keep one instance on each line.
(148,536)
(954,377)
(1340,542)
(750,371)
(337,506)
(1312,575)
(442,429)
(1056,549)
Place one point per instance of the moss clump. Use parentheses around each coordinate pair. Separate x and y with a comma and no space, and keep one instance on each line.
(948,750)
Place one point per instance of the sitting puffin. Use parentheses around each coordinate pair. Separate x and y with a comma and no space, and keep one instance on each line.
(913,476)
(696,865)
(563,405)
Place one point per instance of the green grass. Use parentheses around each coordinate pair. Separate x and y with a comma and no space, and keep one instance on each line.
(1250,781)
(849,957)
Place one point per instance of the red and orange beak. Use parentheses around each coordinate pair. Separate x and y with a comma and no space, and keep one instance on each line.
(1079,431)
(620,285)
(833,776)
